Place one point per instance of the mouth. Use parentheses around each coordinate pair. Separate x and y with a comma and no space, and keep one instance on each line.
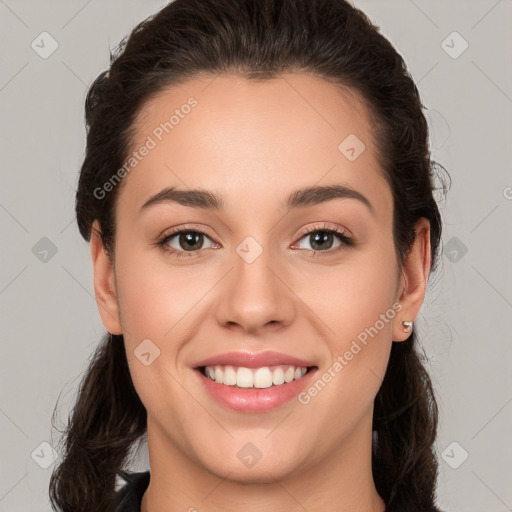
(260,378)
(254,383)
(246,381)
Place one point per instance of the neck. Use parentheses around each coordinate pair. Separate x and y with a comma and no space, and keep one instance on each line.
(343,478)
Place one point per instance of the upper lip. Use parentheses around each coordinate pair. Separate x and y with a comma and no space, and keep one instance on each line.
(253,360)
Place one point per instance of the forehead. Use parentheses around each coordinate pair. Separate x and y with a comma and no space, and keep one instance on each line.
(261,138)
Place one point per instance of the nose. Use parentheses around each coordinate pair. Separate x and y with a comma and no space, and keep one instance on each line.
(254,296)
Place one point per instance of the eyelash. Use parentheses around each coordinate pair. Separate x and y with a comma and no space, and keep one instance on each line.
(346,241)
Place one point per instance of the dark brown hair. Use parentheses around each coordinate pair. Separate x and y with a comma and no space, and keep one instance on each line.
(258,40)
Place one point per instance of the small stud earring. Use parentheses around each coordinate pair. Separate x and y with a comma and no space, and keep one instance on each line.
(407,326)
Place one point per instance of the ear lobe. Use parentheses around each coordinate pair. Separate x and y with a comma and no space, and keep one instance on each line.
(415,272)
(104,283)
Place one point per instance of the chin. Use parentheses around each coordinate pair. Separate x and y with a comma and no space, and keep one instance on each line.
(263,472)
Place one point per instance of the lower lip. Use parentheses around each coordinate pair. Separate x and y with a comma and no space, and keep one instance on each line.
(255,399)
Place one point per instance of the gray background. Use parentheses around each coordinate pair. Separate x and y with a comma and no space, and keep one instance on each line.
(49,320)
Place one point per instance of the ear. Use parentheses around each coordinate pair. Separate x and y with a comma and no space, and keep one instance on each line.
(413,282)
(104,283)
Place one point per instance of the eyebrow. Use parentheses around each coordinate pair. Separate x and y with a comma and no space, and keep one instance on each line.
(301,198)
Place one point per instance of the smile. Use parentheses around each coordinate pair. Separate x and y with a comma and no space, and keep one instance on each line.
(263,377)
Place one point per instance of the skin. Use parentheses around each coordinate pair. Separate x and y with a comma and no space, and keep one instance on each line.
(254,143)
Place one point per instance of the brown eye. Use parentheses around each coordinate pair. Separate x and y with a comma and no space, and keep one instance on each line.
(323,240)
(181,242)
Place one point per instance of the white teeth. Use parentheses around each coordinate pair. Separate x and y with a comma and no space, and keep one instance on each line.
(278,376)
(244,378)
(289,374)
(263,377)
(229,376)
(219,375)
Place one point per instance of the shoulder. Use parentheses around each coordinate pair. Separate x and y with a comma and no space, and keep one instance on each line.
(129,496)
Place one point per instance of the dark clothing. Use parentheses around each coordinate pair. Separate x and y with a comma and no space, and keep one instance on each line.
(129,497)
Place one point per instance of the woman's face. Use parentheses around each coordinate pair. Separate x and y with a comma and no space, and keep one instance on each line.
(258,279)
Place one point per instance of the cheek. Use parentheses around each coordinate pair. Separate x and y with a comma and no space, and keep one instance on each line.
(360,314)
(153,297)
(359,310)
(351,296)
